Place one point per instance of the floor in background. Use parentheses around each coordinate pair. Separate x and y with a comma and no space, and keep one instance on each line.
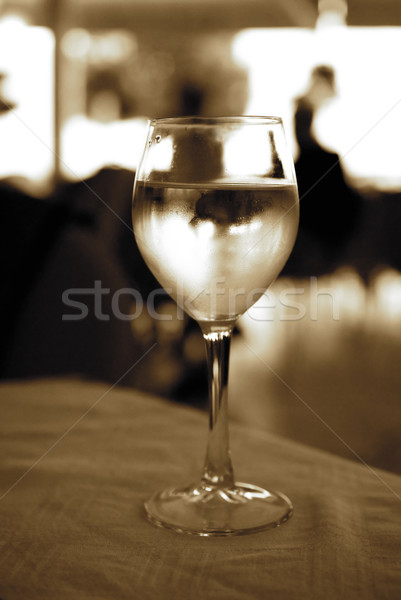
(325,370)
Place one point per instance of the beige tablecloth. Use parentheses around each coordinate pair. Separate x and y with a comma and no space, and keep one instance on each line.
(78,459)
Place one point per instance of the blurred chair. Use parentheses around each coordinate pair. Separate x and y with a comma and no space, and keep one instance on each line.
(59,252)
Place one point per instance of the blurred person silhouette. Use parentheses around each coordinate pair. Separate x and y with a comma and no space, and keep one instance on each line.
(197,157)
(191,100)
(330,208)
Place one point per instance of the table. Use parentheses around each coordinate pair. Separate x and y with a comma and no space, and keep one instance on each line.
(78,458)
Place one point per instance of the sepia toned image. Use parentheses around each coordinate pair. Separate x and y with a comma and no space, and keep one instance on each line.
(201,299)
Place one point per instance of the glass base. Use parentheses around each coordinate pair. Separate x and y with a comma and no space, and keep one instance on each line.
(209,510)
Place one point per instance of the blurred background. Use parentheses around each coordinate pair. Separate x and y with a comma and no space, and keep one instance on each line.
(317,359)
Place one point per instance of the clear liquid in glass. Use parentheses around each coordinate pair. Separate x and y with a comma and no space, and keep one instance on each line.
(215,248)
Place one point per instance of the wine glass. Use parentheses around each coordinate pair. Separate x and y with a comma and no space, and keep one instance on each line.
(215,216)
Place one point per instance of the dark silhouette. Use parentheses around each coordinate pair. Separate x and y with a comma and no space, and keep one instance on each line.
(64,244)
(191,100)
(329,208)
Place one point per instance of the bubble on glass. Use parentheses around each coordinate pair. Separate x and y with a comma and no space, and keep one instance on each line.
(158,139)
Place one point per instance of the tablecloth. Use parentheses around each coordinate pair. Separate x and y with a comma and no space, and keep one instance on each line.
(78,459)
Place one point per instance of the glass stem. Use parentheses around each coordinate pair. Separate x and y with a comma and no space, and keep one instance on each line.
(218,470)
